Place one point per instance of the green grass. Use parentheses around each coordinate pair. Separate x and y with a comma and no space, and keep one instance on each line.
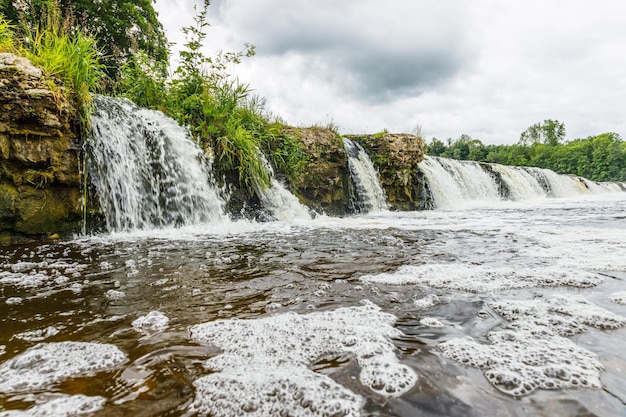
(71,59)
(7,38)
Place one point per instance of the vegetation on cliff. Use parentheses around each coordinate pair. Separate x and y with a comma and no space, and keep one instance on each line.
(224,115)
(70,62)
(543,145)
(118,28)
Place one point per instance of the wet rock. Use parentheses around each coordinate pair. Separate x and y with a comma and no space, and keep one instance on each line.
(40,179)
(325,183)
(396,157)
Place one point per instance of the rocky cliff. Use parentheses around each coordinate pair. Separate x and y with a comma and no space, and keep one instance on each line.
(326,185)
(39,171)
(396,157)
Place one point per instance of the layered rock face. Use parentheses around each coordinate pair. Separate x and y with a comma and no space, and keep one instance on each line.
(326,185)
(396,157)
(40,180)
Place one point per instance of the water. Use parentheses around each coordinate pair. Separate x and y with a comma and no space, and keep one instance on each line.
(370,194)
(510,309)
(147,170)
(461,184)
(278,201)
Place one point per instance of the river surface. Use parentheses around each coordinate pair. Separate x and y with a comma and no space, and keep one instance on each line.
(510,309)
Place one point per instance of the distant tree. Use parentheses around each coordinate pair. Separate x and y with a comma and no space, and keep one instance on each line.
(549,132)
(121,28)
(435,147)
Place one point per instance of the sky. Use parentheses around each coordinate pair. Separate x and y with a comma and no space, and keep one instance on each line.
(485,68)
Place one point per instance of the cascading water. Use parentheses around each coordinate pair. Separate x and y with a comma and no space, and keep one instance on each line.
(454,184)
(371,196)
(147,171)
(278,200)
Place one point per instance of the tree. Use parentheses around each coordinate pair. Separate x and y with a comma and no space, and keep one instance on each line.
(121,28)
(549,132)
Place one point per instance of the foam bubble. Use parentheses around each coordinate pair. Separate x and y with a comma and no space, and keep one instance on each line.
(430,300)
(565,315)
(272,392)
(519,362)
(154,321)
(61,406)
(48,363)
(618,297)
(115,295)
(271,356)
(484,278)
(431,322)
(38,335)
(14,300)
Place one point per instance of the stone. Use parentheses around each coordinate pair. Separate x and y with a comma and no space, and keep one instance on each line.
(40,181)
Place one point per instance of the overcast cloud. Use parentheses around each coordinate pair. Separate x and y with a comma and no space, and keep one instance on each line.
(487,68)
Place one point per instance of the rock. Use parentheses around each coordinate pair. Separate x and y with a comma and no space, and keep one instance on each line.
(396,157)
(325,183)
(40,180)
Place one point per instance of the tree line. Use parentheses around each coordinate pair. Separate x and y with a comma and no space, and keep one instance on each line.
(598,158)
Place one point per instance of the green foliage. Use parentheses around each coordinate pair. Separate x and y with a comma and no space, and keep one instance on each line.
(598,158)
(121,28)
(72,59)
(7,40)
(223,114)
(550,132)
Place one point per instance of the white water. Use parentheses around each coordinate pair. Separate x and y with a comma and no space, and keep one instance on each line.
(457,184)
(363,173)
(147,170)
(278,200)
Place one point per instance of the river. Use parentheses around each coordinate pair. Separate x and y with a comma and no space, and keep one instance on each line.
(505,308)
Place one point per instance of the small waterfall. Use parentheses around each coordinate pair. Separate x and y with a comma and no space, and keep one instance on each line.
(454,184)
(279,201)
(147,171)
(370,194)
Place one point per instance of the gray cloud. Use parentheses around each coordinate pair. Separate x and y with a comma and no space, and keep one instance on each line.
(369,52)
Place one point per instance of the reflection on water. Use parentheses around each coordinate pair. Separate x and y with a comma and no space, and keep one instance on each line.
(405,289)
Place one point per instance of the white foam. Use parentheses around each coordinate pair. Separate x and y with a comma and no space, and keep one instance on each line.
(519,362)
(485,278)
(430,300)
(114,295)
(38,335)
(48,363)
(266,362)
(431,322)
(14,300)
(154,321)
(618,297)
(61,406)
(565,315)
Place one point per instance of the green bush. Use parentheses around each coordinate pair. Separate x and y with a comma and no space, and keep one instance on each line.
(7,40)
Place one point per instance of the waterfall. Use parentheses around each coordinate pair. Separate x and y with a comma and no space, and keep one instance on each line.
(370,194)
(278,200)
(147,171)
(454,184)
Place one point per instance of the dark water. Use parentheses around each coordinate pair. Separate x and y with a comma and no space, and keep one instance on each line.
(408,288)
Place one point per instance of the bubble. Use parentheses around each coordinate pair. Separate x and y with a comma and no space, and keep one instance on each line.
(484,278)
(154,321)
(618,297)
(519,362)
(114,295)
(277,352)
(61,406)
(49,363)
(565,315)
